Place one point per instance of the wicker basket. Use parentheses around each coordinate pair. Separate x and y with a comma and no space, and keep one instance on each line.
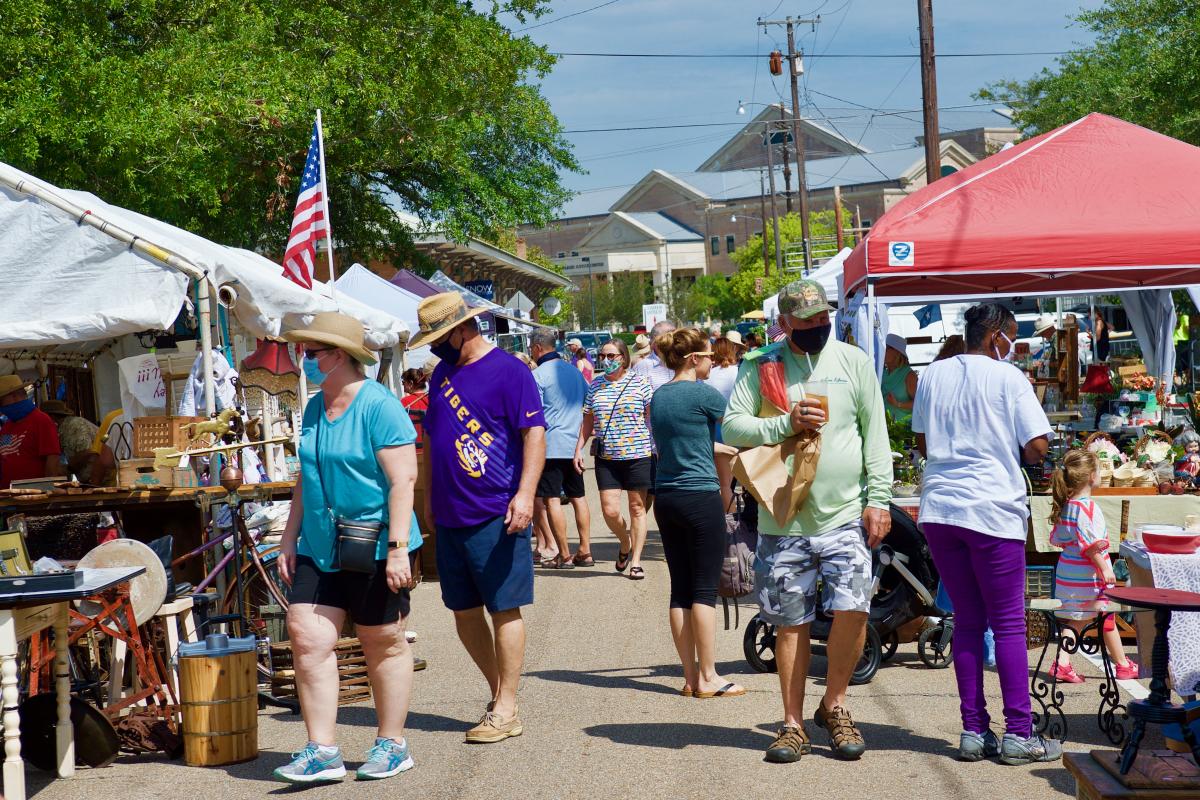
(1106,475)
(1130,474)
(353,684)
(152,432)
(1150,436)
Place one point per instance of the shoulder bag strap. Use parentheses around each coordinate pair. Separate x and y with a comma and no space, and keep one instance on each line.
(608,422)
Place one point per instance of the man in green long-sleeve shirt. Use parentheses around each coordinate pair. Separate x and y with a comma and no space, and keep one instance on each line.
(845,513)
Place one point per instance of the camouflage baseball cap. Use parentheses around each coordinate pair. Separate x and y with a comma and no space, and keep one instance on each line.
(803,299)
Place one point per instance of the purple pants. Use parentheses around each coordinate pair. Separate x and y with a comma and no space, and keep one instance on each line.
(985,576)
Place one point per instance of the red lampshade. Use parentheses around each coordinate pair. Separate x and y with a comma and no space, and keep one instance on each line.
(271,356)
(1098,380)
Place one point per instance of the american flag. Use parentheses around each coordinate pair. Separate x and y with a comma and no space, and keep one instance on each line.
(309,223)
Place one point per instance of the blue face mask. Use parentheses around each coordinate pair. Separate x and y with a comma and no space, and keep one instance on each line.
(15,412)
(312,371)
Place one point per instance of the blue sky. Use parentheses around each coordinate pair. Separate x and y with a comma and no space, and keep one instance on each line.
(590,93)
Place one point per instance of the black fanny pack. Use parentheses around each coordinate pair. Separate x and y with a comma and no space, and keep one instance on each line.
(356,543)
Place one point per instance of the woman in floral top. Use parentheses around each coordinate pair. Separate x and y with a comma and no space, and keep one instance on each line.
(617,410)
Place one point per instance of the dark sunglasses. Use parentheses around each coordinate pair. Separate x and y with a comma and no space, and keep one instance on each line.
(314,354)
(608,357)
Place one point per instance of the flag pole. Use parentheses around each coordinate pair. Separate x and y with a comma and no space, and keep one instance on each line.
(328,204)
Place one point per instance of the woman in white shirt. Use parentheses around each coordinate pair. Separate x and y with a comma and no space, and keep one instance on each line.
(976,419)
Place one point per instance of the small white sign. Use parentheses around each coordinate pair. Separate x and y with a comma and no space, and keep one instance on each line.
(901,254)
(653,313)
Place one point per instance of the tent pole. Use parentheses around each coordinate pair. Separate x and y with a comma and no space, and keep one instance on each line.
(870,343)
(206,360)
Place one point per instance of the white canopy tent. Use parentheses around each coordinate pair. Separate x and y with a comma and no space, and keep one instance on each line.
(76,269)
(365,286)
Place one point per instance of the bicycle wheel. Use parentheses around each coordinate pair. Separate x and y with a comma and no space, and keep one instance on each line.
(264,615)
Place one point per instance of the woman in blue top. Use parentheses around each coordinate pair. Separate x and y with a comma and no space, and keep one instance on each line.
(688,507)
(357,463)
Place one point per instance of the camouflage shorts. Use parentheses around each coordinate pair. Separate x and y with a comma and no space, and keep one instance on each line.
(787,569)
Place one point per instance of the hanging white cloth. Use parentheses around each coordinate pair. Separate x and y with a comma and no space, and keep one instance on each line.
(193,392)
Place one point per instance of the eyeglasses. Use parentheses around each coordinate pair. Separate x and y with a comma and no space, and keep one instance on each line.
(608,357)
(313,355)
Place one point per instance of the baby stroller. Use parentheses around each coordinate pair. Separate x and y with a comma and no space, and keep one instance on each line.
(904,587)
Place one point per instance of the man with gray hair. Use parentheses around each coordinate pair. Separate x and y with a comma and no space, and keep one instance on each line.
(651,367)
(563,392)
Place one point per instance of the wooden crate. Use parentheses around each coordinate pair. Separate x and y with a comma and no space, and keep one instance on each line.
(141,473)
(1155,775)
(353,684)
(152,432)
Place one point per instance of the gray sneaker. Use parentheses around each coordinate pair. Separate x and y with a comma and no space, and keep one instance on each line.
(1016,751)
(385,759)
(977,746)
(313,764)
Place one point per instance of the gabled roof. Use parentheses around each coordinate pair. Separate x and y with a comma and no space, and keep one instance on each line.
(751,135)
(893,166)
(663,226)
(651,226)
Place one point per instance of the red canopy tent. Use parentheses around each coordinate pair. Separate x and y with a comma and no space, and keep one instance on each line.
(1097,205)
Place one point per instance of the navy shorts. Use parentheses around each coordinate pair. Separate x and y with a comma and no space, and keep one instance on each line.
(484,565)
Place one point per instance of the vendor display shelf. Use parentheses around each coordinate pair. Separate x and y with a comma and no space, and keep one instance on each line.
(152,432)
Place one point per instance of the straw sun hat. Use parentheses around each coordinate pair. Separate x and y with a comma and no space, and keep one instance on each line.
(339,330)
(10,383)
(439,314)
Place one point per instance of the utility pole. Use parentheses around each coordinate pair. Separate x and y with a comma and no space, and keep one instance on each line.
(837,217)
(762,201)
(933,141)
(774,209)
(796,66)
(787,167)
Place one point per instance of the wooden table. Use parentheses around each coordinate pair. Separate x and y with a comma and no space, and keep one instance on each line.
(148,514)
(23,614)
(1158,708)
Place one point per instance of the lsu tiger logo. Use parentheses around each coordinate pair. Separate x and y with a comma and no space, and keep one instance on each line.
(471,457)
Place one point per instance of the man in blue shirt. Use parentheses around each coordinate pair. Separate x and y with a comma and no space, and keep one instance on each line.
(563,390)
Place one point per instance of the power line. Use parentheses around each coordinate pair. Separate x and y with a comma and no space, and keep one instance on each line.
(878,112)
(565,16)
(809,56)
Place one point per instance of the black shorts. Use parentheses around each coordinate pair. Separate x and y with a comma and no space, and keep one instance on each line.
(559,477)
(634,474)
(366,598)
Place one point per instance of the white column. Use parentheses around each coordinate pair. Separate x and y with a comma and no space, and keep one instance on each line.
(14,767)
(64,731)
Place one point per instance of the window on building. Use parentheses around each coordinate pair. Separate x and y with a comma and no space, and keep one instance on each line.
(715,245)
(866,223)
(574,253)
(562,254)
(729,244)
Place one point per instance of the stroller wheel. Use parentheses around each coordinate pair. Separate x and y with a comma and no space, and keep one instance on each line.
(872,657)
(758,645)
(890,645)
(933,651)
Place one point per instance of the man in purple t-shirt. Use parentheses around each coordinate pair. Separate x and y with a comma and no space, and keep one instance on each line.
(486,442)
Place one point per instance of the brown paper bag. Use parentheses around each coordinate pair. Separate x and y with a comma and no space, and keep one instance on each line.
(780,475)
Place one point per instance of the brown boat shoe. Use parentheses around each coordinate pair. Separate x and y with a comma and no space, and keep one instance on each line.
(493,728)
(790,744)
(847,742)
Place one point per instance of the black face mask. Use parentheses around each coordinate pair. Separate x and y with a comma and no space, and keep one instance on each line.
(812,340)
(446,351)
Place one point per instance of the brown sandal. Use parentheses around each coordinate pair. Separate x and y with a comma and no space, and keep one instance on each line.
(583,560)
(636,573)
(558,562)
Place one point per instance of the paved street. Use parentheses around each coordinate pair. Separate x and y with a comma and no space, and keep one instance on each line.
(602,720)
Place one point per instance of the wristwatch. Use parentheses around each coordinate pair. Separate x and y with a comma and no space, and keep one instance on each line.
(396,545)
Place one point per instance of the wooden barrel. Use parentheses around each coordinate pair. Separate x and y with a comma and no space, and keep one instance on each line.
(218,691)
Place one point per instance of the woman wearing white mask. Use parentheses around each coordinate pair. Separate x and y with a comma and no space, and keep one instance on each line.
(977,419)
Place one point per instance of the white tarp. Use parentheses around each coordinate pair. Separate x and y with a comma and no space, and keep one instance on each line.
(365,286)
(67,282)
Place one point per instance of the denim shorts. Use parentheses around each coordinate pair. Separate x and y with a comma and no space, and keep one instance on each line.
(484,565)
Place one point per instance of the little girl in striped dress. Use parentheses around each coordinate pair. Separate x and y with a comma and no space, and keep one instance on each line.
(1084,569)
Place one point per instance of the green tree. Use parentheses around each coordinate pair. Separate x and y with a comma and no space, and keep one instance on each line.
(1144,67)
(749,286)
(629,292)
(198,112)
(708,297)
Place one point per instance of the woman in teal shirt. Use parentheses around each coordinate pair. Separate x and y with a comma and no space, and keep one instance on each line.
(357,463)
(688,507)
(899,381)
